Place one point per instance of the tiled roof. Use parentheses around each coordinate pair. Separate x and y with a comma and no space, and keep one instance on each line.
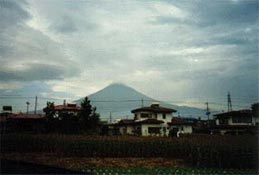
(155,109)
(179,121)
(66,108)
(149,121)
(126,122)
(25,116)
(243,113)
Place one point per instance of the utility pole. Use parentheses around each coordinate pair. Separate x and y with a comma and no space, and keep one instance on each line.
(142,103)
(36,99)
(208,111)
(229,102)
(27,103)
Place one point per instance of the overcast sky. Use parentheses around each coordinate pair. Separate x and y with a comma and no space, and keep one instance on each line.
(187,51)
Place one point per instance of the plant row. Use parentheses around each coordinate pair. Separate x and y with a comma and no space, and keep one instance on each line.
(218,151)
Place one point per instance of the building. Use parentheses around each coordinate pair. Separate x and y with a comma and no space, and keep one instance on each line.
(71,109)
(125,126)
(236,122)
(148,121)
(180,126)
(25,123)
(152,120)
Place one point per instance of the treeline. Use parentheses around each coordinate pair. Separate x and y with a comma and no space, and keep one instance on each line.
(200,151)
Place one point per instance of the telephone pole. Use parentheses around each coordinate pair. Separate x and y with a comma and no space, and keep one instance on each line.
(35,109)
(207,110)
(27,103)
(142,103)
(229,102)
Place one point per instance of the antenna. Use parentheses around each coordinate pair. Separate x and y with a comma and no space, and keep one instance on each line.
(36,99)
(27,103)
(229,102)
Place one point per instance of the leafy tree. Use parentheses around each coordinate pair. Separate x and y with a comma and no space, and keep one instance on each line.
(88,117)
(49,110)
(255,109)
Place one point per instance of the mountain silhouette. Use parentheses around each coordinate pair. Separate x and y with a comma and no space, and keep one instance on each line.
(118,100)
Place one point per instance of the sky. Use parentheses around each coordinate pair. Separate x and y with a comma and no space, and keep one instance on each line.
(187,52)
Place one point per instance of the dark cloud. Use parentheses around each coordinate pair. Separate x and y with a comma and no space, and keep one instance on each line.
(228,12)
(34,72)
(12,13)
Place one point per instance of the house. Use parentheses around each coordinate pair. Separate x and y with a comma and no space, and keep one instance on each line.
(71,109)
(126,126)
(25,122)
(152,120)
(148,121)
(241,121)
(180,126)
(234,118)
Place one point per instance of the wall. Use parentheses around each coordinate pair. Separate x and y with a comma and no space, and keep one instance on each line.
(144,129)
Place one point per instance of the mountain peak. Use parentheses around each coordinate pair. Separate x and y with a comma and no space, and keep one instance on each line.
(117,91)
(118,84)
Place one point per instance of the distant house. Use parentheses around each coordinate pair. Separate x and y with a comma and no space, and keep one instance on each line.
(234,118)
(25,122)
(148,121)
(152,120)
(235,122)
(65,108)
(180,126)
(126,126)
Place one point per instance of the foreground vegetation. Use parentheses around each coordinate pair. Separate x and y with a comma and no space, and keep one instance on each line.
(203,151)
(121,166)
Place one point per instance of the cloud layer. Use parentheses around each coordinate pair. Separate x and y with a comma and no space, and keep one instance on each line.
(166,49)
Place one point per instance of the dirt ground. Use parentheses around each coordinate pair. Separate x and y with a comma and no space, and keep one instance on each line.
(78,163)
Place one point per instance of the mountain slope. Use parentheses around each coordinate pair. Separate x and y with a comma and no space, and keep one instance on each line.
(118,100)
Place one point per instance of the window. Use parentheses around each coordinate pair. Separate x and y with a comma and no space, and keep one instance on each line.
(242,119)
(223,121)
(164,116)
(145,115)
(154,130)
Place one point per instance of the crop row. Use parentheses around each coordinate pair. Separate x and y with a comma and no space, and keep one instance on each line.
(200,151)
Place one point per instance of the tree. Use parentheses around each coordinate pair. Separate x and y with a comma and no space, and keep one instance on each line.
(88,117)
(49,110)
(255,109)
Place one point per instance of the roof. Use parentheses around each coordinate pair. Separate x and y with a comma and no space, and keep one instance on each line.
(232,127)
(25,116)
(179,121)
(240,113)
(154,108)
(126,122)
(68,107)
(149,121)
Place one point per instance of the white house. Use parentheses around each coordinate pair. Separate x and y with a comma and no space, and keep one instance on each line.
(152,120)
